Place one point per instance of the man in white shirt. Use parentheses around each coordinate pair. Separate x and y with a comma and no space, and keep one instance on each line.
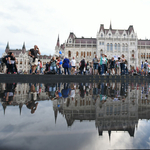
(73,65)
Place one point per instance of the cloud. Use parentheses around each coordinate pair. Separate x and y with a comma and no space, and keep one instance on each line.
(40,22)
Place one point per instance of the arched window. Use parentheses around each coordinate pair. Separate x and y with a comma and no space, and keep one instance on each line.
(90,53)
(132,36)
(118,47)
(69,53)
(87,53)
(70,41)
(107,46)
(111,46)
(101,34)
(126,47)
(123,47)
(84,54)
(115,46)
(149,55)
(20,61)
(141,55)
(77,54)
(81,54)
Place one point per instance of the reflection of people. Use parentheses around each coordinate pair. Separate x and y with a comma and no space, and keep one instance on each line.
(32,104)
(8,95)
(72,93)
(66,91)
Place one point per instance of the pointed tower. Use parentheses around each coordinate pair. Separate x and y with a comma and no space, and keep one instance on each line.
(58,44)
(23,48)
(57,47)
(110,26)
(7,48)
(101,28)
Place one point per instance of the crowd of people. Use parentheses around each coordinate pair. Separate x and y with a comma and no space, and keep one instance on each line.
(57,65)
(102,66)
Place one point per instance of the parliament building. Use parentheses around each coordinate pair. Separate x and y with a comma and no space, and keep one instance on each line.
(111,42)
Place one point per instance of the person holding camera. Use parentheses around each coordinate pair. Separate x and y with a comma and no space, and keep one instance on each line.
(33,54)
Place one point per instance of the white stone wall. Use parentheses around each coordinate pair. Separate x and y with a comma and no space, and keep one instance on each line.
(128,43)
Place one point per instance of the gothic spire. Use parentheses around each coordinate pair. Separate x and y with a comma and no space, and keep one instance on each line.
(23,47)
(110,26)
(58,41)
(7,47)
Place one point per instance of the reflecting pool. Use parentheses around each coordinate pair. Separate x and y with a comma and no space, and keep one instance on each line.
(75,116)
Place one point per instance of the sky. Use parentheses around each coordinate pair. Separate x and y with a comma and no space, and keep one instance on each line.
(41,21)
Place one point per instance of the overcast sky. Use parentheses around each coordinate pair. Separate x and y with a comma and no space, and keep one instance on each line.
(40,21)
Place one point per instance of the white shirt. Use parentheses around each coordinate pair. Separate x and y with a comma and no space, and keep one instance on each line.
(73,62)
(103,60)
(72,94)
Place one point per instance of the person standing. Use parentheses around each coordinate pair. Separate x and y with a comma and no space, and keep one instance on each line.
(118,66)
(95,64)
(103,63)
(73,65)
(38,67)
(82,65)
(146,67)
(33,54)
(112,66)
(66,63)
(11,61)
(122,65)
(59,63)
(41,67)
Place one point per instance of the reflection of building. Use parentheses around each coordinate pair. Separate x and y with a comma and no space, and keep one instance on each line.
(112,42)
(120,115)
(22,94)
(119,112)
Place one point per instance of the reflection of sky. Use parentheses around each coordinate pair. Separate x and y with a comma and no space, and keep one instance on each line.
(38,131)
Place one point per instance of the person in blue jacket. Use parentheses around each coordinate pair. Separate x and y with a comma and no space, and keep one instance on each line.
(66,66)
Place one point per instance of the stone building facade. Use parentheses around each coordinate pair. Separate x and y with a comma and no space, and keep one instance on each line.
(111,42)
(23,59)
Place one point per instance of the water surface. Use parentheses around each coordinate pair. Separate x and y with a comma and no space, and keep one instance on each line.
(74,116)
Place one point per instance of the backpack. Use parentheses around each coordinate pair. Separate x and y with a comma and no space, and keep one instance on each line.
(145,66)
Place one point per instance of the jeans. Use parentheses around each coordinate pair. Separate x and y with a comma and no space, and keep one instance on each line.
(126,71)
(103,69)
(53,68)
(95,66)
(59,70)
(122,66)
(10,68)
(81,70)
(67,69)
